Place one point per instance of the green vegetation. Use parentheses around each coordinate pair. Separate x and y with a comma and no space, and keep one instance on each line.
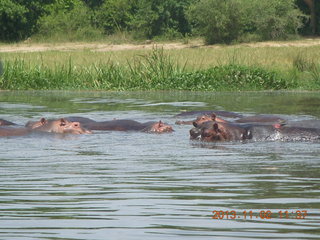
(237,20)
(233,67)
(159,70)
(218,21)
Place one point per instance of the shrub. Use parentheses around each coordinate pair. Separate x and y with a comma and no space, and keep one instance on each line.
(68,23)
(218,21)
(225,21)
(13,20)
(274,19)
(231,78)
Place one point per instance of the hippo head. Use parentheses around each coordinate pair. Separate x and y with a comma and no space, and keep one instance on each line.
(213,133)
(65,126)
(203,118)
(207,118)
(159,127)
(36,124)
(57,126)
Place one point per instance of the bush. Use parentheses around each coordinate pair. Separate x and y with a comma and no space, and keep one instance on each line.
(221,21)
(13,20)
(232,78)
(160,17)
(218,21)
(114,15)
(68,23)
(274,19)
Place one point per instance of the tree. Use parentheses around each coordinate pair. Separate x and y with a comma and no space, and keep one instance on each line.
(114,15)
(219,21)
(161,17)
(225,21)
(68,20)
(13,20)
(18,18)
(313,16)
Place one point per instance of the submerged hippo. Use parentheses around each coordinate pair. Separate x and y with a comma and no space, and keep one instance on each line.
(252,119)
(212,131)
(129,125)
(292,133)
(112,125)
(215,131)
(57,126)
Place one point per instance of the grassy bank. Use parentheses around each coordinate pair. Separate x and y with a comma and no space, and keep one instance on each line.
(219,68)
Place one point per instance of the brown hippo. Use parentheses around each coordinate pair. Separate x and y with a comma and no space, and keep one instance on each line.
(129,125)
(57,126)
(212,131)
(269,119)
(158,127)
(6,123)
(112,125)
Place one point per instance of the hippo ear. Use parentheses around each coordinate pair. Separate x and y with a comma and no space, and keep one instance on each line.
(43,121)
(62,122)
(160,123)
(213,117)
(279,125)
(216,126)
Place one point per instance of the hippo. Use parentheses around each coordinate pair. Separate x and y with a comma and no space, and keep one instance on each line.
(293,133)
(252,119)
(158,127)
(129,125)
(57,126)
(212,131)
(112,125)
(6,123)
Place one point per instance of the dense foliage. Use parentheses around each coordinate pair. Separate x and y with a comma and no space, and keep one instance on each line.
(219,21)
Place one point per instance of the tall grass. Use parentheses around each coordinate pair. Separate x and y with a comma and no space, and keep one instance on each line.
(154,71)
(230,70)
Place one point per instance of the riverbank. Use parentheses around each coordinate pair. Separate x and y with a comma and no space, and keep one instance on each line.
(166,66)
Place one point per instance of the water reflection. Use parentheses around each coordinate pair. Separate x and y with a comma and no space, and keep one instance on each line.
(125,185)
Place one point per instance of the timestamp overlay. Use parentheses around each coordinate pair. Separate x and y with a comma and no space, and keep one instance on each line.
(259,214)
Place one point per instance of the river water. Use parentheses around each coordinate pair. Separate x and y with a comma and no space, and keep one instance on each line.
(132,185)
